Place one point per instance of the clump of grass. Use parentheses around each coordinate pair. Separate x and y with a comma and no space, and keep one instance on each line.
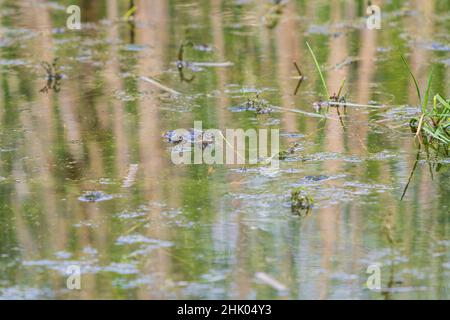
(433,125)
(301,202)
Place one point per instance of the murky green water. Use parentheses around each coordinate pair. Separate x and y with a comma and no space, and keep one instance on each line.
(155,230)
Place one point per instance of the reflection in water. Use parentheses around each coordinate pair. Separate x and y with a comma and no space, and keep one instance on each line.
(181,64)
(86,177)
(53,76)
(388,228)
(300,78)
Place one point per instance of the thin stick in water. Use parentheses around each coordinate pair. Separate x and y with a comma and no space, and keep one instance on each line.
(159,85)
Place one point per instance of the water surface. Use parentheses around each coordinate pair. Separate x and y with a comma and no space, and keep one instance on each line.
(86,177)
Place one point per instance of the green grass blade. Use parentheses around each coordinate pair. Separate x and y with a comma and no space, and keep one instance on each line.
(445,114)
(319,70)
(435,108)
(441,132)
(128,14)
(436,132)
(427,93)
(442,101)
(414,79)
(435,135)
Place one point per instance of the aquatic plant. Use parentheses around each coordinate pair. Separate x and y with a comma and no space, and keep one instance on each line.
(283,154)
(432,125)
(334,100)
(301,201)
(337,97)
(319,69)
(260,106)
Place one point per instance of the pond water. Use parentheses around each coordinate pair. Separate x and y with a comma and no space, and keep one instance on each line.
(86,177)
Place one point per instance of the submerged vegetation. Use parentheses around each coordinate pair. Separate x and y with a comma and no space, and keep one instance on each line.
(301,202)
(259,105)
(289,151)
(53,76)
